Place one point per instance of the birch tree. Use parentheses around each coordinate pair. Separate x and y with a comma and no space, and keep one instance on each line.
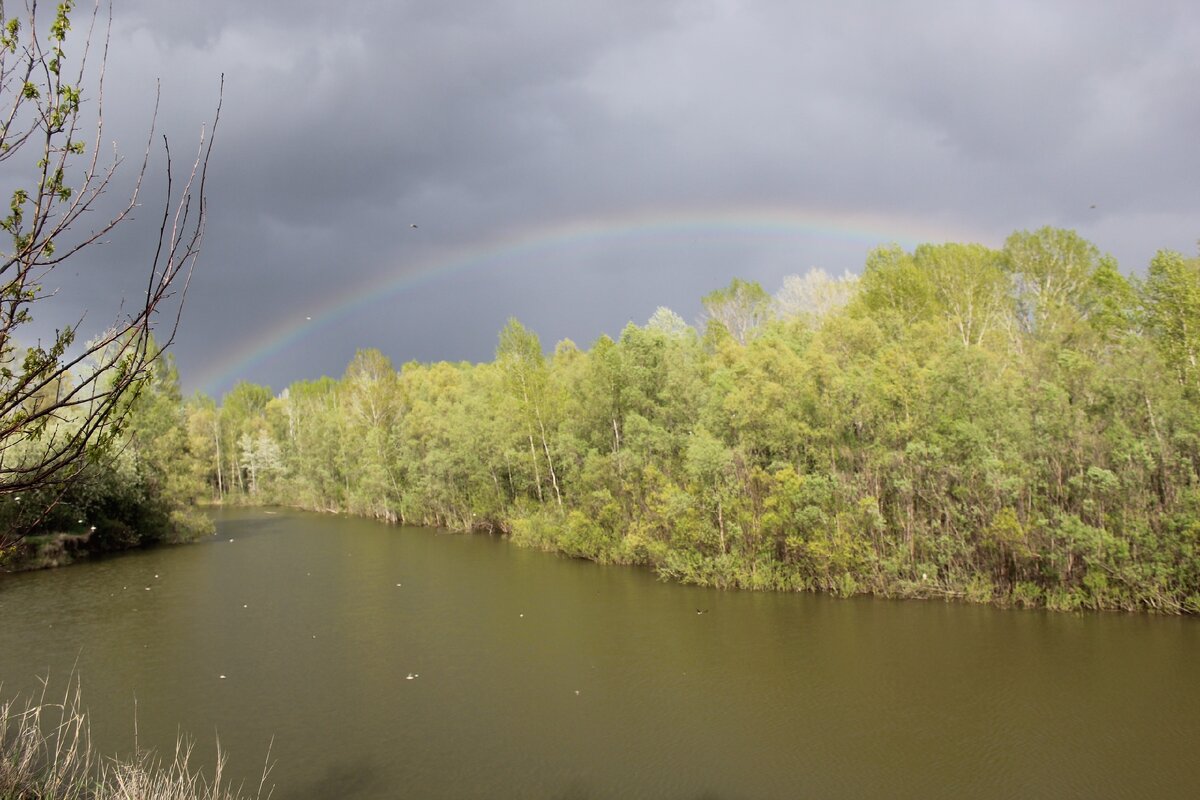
(520,357)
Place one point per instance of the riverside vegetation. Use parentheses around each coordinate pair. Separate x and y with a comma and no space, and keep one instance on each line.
(138,490)
(46,752)
(77,471)
(1018,426)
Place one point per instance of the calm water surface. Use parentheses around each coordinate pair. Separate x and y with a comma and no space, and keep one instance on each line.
(541,677)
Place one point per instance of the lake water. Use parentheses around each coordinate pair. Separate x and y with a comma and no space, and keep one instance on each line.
(536,676)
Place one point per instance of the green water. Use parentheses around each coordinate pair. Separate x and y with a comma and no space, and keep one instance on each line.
(541,677)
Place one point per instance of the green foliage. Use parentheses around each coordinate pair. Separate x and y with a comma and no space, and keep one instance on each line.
(1018,427)
(73,412)
(138,492)
(1171,297)
(741,309)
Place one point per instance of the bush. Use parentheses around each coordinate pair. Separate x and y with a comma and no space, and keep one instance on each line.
(1028,595)
(979,589)
(584,537)
(189,524)
(1063,600)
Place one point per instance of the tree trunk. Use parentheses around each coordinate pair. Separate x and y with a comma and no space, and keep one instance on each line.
(537,473)
(220,477)
(721,527)
(549,461)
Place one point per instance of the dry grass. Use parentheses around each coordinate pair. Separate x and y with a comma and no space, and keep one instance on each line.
(46,753)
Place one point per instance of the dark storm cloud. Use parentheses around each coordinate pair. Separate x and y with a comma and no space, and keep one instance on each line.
(345,123)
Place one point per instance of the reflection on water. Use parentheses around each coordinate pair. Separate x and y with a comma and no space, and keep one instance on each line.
(538,676)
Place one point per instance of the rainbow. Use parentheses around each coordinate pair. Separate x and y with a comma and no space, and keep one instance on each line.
(759,220)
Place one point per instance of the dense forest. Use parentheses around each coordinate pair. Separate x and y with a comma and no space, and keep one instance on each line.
(1019,426)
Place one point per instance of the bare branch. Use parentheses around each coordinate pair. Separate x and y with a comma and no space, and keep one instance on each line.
(62,403)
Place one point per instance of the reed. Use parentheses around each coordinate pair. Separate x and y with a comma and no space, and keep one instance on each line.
(46,752)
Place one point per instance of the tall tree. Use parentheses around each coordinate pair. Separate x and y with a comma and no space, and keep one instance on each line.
(371,401)
(814,295)
(972,286)
(242,415)
(1054,269)
(1172,303)
(519,355)
(741,308)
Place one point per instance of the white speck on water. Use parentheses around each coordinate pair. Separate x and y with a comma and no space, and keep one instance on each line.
(398,584)
(222,677)
(410,677)
(522,615)
(147,588)
(231,540)
(245,605)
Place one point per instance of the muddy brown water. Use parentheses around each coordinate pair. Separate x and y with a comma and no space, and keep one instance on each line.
(537,676)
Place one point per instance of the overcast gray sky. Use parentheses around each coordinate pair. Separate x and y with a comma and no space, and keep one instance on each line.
(577,164)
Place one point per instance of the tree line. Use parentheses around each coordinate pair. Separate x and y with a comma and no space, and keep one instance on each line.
(1017,425)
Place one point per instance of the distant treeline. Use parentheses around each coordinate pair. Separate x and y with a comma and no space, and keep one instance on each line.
(1017,426)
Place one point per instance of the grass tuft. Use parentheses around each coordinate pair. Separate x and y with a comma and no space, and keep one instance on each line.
(46,753)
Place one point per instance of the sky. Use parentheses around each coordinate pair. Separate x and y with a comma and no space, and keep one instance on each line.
(408,175)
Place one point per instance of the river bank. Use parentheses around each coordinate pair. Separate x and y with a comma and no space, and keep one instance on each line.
(568,535)
(57,549)
(549,532)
